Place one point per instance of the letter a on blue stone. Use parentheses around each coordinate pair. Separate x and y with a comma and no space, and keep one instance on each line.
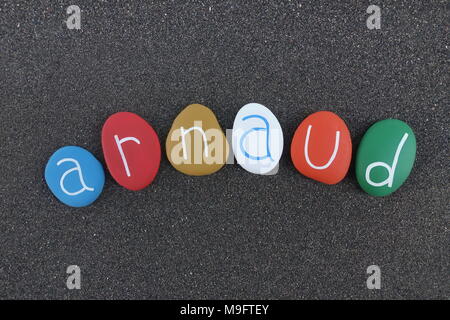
(75,176)
(267,129)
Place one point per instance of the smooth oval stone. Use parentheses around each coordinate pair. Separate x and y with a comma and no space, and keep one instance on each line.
(196,144)
(385,157)
(257,139)
(74,176)
(132,150)
(322,147)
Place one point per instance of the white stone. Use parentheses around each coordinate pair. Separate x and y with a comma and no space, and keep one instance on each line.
(257,139)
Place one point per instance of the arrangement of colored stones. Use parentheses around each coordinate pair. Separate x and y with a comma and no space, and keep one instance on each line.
(196,145)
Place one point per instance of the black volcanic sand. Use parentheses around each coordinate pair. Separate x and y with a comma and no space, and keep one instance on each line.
(232,234)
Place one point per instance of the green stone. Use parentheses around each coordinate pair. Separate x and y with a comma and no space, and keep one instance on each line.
(385,157)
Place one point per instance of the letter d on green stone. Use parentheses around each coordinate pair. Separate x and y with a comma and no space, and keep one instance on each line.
(385,157)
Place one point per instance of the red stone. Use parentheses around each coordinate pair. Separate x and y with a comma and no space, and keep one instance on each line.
(131,149)
(318,162)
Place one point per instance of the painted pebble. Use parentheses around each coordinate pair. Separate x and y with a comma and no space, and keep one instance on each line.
(196,144)
(322,147)
(385,157)
(257,139)
(131,149)
(75,176)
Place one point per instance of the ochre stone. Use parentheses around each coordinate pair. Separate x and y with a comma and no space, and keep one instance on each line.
(196,144)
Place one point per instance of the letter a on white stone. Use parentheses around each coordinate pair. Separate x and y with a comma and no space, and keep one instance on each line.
(119,143)
(183,140)
(333,156)
(80,174)
(391,169)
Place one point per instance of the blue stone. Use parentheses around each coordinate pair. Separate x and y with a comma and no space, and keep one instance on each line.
(75,176)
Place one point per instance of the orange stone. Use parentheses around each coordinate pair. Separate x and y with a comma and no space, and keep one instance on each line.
(322,147)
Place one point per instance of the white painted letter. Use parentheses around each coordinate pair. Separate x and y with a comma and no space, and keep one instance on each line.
(391,169)
(333,156)
(80,174)
(119,146)
(183,141)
